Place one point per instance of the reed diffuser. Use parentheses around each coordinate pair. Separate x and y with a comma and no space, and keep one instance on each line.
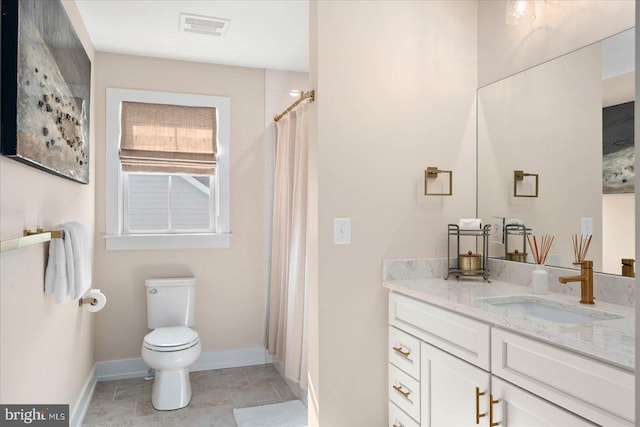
(580,247)
(540,276)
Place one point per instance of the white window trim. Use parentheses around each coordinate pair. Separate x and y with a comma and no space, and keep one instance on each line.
(115,239)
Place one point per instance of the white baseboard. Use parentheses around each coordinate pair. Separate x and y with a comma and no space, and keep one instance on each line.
(230,359)
(270,358)
(84,400)
(134,368)
(121,369)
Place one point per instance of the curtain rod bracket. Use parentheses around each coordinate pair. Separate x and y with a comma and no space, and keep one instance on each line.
(311,96)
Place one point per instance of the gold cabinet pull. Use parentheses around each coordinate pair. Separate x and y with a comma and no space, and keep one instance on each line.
(398,425)
(403,353)
(401,391)
(491,402)
(478,414)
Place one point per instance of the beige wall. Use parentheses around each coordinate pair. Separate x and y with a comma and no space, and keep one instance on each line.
(618,219)
(46,349)
(559,28)
(230,291)
(313,335)
(396,88)
(546,120)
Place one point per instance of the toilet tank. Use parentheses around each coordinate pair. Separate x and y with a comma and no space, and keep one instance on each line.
(170,301)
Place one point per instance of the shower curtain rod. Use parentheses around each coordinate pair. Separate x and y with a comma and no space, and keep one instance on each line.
(311,96)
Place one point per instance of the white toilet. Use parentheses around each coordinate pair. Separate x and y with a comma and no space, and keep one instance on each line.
(172,346)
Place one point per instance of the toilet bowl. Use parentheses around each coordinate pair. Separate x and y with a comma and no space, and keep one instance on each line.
(172,346)
(170,351)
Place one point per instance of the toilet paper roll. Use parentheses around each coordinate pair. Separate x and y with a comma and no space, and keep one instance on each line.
(470,224)
(100,300)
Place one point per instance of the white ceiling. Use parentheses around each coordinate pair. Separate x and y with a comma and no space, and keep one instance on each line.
(269,34)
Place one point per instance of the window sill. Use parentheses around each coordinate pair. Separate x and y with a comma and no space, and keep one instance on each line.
(167,241)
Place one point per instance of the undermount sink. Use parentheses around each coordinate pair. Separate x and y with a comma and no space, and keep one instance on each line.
(549,310)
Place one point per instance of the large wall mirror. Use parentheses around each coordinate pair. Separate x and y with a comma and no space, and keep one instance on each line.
(548,121)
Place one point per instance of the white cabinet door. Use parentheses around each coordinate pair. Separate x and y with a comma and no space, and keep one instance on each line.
(514,407)
(448,393)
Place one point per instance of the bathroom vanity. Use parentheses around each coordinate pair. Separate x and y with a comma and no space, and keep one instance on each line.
(469,353)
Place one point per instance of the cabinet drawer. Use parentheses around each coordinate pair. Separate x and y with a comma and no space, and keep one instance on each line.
(594,390)
(516,407)
(398,418)
(404,391)
(459,335)
(404,352)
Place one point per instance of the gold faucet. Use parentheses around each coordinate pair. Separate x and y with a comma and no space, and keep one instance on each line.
(586,281)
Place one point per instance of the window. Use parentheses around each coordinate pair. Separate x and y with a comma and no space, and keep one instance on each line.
(167,170)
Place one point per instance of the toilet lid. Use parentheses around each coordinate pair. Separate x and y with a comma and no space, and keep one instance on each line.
(171,338)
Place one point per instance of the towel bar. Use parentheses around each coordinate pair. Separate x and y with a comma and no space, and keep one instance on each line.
(55,234)
(30,238)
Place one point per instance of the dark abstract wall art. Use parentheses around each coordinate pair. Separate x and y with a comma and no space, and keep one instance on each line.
(46,84)
(618,152)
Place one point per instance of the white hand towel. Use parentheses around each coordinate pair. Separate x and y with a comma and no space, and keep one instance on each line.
(68,274)
(78,258)
(56,281)
(470,224)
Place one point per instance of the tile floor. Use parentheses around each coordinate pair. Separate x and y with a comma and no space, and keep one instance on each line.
(215,394)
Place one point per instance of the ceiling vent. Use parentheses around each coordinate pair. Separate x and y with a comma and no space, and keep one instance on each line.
(204,24)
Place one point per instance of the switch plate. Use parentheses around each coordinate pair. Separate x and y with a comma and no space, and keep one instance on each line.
(341,231)
(586,225)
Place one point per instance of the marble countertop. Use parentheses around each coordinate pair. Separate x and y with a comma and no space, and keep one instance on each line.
(612,341)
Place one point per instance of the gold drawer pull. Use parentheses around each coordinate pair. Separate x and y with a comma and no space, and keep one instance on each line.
(398,425)
(491,402)
(403,353)
(401,391)
(478,414)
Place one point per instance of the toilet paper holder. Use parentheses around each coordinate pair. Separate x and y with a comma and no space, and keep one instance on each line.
(91,301)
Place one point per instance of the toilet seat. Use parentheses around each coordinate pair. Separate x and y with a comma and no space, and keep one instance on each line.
(172,338)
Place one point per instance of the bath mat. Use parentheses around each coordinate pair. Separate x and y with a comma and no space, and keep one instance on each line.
(288,414)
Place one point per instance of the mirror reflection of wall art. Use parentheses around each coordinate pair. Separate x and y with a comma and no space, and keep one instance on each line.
(46,83)
(618,149)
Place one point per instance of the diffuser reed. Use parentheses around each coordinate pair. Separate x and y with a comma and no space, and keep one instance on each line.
(540,252)
(580,247)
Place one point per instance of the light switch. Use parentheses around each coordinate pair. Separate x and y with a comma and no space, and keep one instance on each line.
(586,225)
(341,231)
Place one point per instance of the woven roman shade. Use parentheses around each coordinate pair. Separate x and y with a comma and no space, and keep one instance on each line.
(168,139)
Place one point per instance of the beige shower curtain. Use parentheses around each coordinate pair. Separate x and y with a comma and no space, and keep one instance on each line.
(288,283)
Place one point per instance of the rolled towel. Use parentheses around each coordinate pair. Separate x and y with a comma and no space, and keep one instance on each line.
(470,224)
(514,221)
